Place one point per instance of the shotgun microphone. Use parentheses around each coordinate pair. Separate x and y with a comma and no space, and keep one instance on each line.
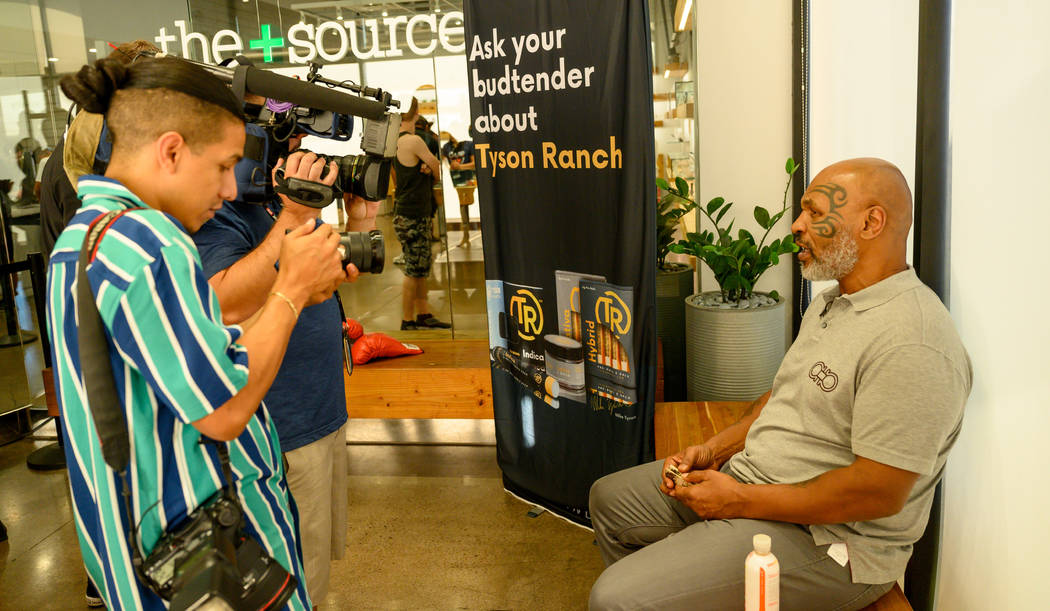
(275,86)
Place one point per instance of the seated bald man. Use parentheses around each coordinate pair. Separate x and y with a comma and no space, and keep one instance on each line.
(838,462)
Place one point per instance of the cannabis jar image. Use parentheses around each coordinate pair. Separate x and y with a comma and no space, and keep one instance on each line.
(564,362)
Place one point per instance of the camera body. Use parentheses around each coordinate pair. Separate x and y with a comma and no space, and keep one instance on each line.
(209,561)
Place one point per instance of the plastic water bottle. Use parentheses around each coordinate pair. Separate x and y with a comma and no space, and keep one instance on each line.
(761,577)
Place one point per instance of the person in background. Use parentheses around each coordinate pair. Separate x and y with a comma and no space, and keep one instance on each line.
(425,130)
(838,462)
(40,163)
(460,156)
(415,168)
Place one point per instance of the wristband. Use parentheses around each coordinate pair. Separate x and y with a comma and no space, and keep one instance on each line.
(291,305)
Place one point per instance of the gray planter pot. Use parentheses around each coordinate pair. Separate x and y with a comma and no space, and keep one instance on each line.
(671,290)
(732,355)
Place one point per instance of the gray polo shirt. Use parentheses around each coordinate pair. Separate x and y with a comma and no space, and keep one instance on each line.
(880,373)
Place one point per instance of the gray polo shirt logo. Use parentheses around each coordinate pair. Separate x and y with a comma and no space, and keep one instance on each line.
(826,379)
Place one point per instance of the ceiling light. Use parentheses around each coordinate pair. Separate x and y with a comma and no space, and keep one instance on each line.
(339,13)
(302,17)
(384,13)
(685,14)
(52,59)
(92,50)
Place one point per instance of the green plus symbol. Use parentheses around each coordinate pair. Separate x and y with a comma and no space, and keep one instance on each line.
(266,43)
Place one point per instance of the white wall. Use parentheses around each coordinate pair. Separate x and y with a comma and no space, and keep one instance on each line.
(862,85)
(744,114)
(996,494)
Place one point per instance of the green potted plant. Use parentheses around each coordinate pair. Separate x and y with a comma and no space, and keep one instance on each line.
(674,282)
(735,335)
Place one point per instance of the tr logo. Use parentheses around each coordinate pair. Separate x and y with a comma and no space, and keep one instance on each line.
(826,379)
(526,310)
(610,310)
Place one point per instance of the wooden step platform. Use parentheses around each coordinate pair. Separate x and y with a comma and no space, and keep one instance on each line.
(679,425)
(451,379)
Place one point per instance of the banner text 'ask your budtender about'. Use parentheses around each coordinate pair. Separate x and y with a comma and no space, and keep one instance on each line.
(512,83)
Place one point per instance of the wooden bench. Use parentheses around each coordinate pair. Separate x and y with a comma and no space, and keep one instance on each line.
(681,424)
(451,379)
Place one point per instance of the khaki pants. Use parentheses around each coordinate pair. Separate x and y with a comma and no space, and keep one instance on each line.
(660,555)
(318,482)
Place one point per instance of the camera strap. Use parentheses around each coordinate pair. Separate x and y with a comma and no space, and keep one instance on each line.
(100,389)
(348,360)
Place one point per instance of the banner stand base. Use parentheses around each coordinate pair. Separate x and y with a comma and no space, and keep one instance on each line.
(556,511)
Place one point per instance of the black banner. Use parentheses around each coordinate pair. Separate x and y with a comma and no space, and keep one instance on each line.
(561,107)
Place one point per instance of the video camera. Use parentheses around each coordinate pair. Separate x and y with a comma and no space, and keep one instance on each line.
(315,107)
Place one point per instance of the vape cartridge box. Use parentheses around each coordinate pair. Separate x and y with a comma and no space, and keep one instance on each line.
(567,286)
(607,312)
(524,316)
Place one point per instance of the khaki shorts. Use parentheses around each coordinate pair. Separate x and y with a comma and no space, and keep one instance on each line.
(317,480)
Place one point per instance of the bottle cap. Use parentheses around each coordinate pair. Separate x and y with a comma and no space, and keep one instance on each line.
(762,544)
(552,387)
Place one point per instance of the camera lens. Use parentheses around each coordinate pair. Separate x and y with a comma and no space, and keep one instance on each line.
(364,175)
(363,249)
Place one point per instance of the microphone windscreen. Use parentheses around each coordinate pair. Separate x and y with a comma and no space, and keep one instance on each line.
(278,87)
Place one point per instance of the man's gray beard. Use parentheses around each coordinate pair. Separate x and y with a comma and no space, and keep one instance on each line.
(837,260)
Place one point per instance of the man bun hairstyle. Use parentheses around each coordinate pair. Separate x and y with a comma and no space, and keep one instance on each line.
(151,96)
(93,86)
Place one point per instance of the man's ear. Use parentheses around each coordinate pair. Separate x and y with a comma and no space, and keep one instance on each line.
(874,222)
(170,148)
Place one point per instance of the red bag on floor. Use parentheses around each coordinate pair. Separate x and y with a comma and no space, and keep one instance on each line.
(375,345)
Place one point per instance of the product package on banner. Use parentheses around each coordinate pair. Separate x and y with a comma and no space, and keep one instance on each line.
(561,113)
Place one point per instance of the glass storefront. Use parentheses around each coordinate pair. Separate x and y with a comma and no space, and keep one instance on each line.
(406,48)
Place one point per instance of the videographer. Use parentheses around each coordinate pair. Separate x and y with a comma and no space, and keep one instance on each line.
(415,168)
(239,249)
(182,374)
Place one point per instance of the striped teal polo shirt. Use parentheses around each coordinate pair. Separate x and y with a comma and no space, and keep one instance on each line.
(174,362)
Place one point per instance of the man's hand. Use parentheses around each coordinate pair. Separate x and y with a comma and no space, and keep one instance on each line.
(311,267)
(352,273)
(711,494)
(304,166)
(360,212)
(692,458)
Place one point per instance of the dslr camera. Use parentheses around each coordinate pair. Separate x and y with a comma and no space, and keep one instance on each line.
(208,561)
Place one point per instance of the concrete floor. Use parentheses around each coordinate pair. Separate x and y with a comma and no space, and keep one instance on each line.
(430,525)
(430,528)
